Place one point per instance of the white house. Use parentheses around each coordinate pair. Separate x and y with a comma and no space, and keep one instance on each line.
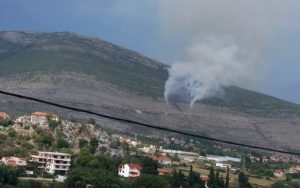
(39,118)
(53,162)
(24,119)
(278,173)
(129,170)
(223,165)
(14,161)
(164,160)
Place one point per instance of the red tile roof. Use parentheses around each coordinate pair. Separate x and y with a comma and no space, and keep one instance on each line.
(278,171)
(12,161)
(3,115)
(40,113)
(204,178)
(134,165)
(164,170)
(162,158)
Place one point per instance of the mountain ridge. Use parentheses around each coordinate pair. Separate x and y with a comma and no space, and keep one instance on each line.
(96,75)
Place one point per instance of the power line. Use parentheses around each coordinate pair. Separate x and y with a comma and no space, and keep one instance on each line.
(144,124)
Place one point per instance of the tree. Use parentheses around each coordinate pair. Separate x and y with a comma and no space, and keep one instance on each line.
(227,179)
(94,144)
(149,165)
(151,181)
(45,139)
(9,176)
(244,181)
(62,143)
(178,179)
(212,178)
(83,143)
(194,179)
(12,133)
(5,122)
(53,124)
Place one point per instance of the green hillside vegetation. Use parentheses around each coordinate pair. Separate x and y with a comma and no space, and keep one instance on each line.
(64,52)
(52,53)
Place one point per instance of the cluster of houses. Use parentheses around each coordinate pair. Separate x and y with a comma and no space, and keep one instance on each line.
(177,141)
(36,118)
(280,173)
(275,158)
(58,164)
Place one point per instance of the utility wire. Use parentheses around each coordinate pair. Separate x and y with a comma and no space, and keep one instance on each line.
(144,124)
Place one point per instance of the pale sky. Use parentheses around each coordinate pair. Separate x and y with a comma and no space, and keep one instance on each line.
(164,29)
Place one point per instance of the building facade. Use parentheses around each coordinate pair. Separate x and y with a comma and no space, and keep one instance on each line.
(129,170)
(39,118)
(163,160)
(53,162)
(14,161)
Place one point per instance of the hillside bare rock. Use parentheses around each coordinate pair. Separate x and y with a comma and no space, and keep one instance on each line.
(96,75)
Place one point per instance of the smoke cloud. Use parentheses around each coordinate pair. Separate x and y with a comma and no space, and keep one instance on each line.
(209,66)
(227,42)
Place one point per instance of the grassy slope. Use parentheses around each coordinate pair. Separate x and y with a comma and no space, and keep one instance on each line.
(116,68)
(65,52)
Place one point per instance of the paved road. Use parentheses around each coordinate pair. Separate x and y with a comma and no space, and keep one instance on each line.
(36,179)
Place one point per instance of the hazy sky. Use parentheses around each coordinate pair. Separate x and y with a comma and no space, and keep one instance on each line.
(266,32)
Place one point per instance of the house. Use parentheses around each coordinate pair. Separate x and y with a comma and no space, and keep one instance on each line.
(129,170)
(175,163)
(4,115)
(164,160)
(53,162)
(163,171)
(26,119)
(223,165)
(204,178)
(292,170)
(14,161)
(39,118)
(278,173)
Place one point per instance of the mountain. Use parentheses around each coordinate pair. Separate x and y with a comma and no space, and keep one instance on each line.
(94,74)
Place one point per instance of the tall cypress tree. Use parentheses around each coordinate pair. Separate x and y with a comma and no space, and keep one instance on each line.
(212,178)
(227,179)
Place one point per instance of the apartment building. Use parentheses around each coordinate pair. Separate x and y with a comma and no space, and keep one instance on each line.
(53,162)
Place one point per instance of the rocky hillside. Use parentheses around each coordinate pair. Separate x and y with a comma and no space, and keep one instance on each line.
(66,136)
(94,74)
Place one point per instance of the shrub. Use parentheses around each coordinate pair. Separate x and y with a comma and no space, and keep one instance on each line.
(5,122)
(53,124)
(61,143)
(2,138)
(26,144)
(12,133)
(45,139)
(83,143)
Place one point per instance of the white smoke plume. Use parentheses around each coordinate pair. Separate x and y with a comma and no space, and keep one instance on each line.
(210,65)
(227,40)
